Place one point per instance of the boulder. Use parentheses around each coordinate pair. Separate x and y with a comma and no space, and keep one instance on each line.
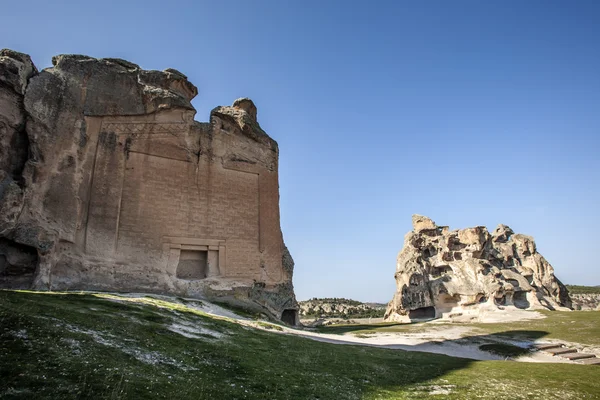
(443,273)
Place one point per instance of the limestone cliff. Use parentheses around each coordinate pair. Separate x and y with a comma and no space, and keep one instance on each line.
(108,183)
(440,272)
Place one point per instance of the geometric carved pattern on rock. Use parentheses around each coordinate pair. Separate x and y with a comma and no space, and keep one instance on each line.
(144,128)
(116,187)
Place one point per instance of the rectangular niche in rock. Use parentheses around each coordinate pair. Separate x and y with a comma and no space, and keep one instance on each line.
(193,264)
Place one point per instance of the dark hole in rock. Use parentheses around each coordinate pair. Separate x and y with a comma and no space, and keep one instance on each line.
(454,244)
(500,301)
(458,256)
(192,264)
(418,242)
(513,282)
(440,270)
(486,270)
(416,280)
(19,145)
(482,299)
(432,251)
(520,300)
(422,313)
(17,265)
(430,232)
(289,316)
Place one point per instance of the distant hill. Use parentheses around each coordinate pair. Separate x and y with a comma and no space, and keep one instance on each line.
(335,307)
(578,289)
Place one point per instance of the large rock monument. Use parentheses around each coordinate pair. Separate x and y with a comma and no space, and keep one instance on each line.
(441,273)
(108,183)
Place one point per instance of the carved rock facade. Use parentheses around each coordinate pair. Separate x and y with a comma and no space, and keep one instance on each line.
(441,273)
(108,183)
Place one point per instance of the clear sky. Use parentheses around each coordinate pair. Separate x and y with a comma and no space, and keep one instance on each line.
(469,112)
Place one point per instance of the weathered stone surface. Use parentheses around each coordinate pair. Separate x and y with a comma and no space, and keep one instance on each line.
(441,272)
(421,223)
(11,203)
(586,302)
(106,175)
(15,70)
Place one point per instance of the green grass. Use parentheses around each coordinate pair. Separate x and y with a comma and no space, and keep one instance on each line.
(381,327)
(80,346)
(241,311)
(270,326)
(573,326)
(577,289)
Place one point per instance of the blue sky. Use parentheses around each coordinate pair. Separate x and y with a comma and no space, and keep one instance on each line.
(470,112)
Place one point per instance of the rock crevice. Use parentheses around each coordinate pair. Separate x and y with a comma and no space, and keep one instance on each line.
(105,174)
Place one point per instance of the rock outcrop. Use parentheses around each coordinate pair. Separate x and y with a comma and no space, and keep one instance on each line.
(339,308)
(443,273)
(586,302)
(108,183)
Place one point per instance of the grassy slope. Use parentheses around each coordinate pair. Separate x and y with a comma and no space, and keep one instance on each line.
(85,346)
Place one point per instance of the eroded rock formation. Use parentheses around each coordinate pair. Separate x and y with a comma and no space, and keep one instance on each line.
(108,183)
(441,272)
(586,302)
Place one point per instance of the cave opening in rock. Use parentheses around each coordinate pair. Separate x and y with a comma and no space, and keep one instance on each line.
(500,301)
(289,316)
(520,300)
(18,263)
(422,313)
(438,271)
(513,282)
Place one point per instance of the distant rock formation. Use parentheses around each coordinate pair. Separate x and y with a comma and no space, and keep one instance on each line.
(339,308)
(586,302)
(443,273)
(108,183)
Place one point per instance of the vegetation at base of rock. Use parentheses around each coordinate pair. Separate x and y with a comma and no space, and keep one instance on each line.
(73,346)
(579,289)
